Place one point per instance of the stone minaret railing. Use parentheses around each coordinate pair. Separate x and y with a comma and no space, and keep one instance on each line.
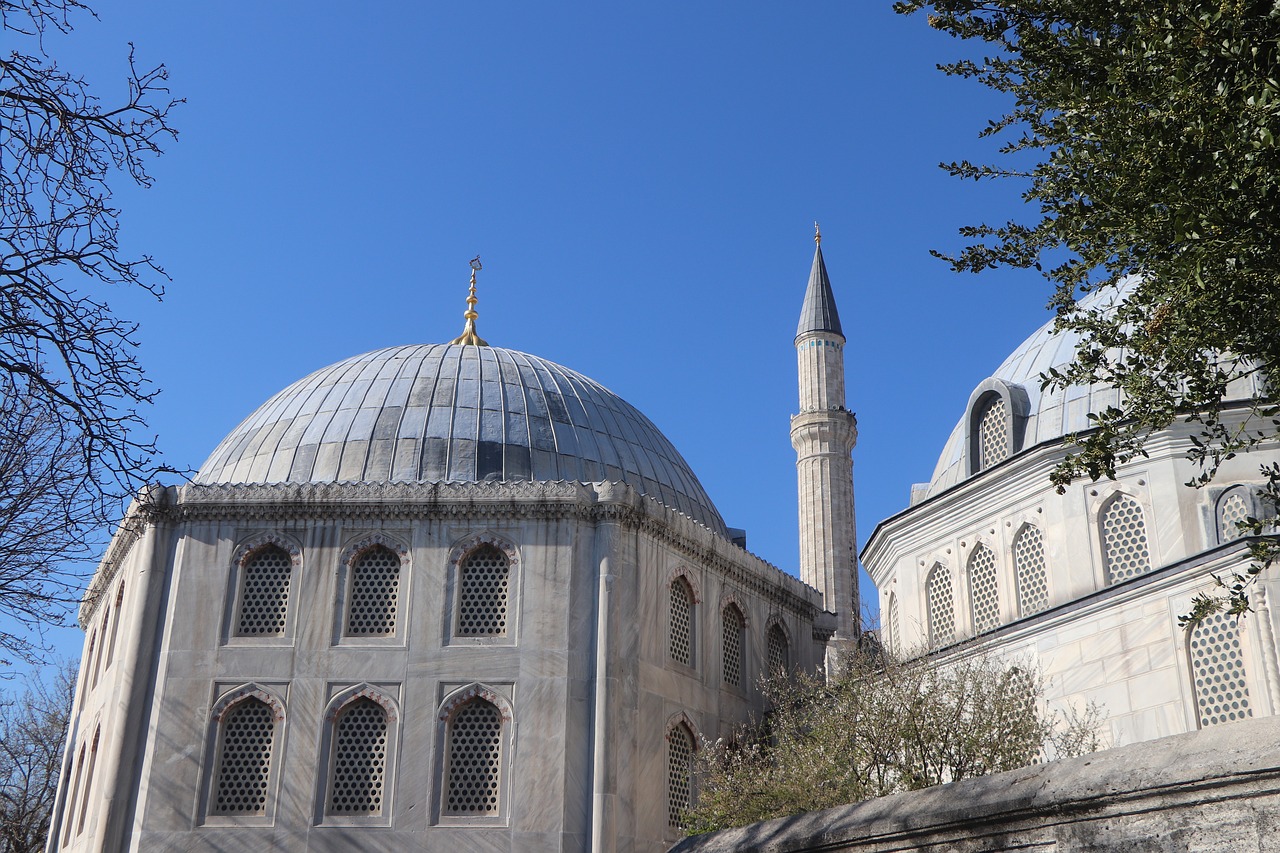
(823,435)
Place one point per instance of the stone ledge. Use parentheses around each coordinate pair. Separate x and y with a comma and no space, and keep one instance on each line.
(1216,789)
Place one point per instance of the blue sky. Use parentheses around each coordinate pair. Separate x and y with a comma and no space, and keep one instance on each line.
(641,182)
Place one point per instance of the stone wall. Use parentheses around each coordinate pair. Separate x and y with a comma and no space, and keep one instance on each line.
(1212,790)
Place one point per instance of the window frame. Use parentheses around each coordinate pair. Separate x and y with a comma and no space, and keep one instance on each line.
(460,552)
(457,699)
(351,555)
(1017,408)
(243,554)
(227,700)
(681,576)
(380,695)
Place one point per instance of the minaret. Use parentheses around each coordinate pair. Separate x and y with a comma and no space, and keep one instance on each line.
(823,435)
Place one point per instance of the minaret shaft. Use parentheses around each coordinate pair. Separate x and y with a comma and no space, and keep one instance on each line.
(823,435)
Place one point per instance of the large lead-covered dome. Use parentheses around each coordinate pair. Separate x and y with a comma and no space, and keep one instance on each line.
(452,413)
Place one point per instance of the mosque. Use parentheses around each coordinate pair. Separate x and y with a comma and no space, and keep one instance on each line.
(454,596)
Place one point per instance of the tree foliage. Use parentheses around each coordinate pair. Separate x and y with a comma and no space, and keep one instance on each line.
(1144,136)
(880,727)
(68,368)
(33,729)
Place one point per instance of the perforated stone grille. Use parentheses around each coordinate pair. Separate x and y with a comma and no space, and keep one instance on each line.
(891,624)
(1028,565)
(1217,666)
(264,592)
(993,434)
(484,577)
(732,640)
(1233,510)
(942,612)
(475,759)
(777,651)
(245,763)
(1124,539)
(984,589)
(359,759)
(375,593)
(679,776)
(681,622)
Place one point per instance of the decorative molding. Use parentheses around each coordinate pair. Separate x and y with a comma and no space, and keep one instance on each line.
(775,620)
(374,540)
(683,571)
(680,718)
(476,690)
(234,697)
(729,597)
(362,691)
(471,543)
(251,546)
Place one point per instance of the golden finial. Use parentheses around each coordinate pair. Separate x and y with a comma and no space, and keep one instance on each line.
(817,234)
(469,336)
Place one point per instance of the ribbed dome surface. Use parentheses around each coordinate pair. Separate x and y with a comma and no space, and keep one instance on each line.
(449,413)
(1058,412)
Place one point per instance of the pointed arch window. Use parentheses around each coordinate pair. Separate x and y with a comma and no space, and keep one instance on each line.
(373,593)
(263,598)
(733,627)
(475,760)
(683,621)
(940,600)
(357,775)
(1217,671)
(1234,506)
(891,624)
(246,744)
(484,577)
(1122,525)
(777,650)
(984,590)
(681,748)
(1029,571)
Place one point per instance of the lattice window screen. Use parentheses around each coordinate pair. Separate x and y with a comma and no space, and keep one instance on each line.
(941,602)
(681,622)
(733,626)
(776,648)
(1028,565)
(244,764)
(1124,539)
(475,759)
(891,625)
(679,775)
(484,578)
(264,592)
(359,759)
(993,434)
(1217,666)
(1231,512)
(374,593)
(984,589)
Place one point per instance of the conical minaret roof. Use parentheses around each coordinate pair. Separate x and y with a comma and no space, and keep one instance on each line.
(818,313)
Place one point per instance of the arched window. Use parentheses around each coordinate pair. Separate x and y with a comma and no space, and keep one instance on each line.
(777,650)
(115,626)
(246,738)
(733,625)
(69,810)
(88,781)
(1234,506)
(1028,567)
(1217,671)
(373,593)
(357,774)
(891,624)
(984,589)
(474,765)
(1123,527)
(992,423)
(682,622)
(941,606)
(264,592)
(484,577)
(680,752)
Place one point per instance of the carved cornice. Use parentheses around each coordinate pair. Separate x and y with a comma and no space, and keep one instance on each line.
(151,506)
(491,502)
